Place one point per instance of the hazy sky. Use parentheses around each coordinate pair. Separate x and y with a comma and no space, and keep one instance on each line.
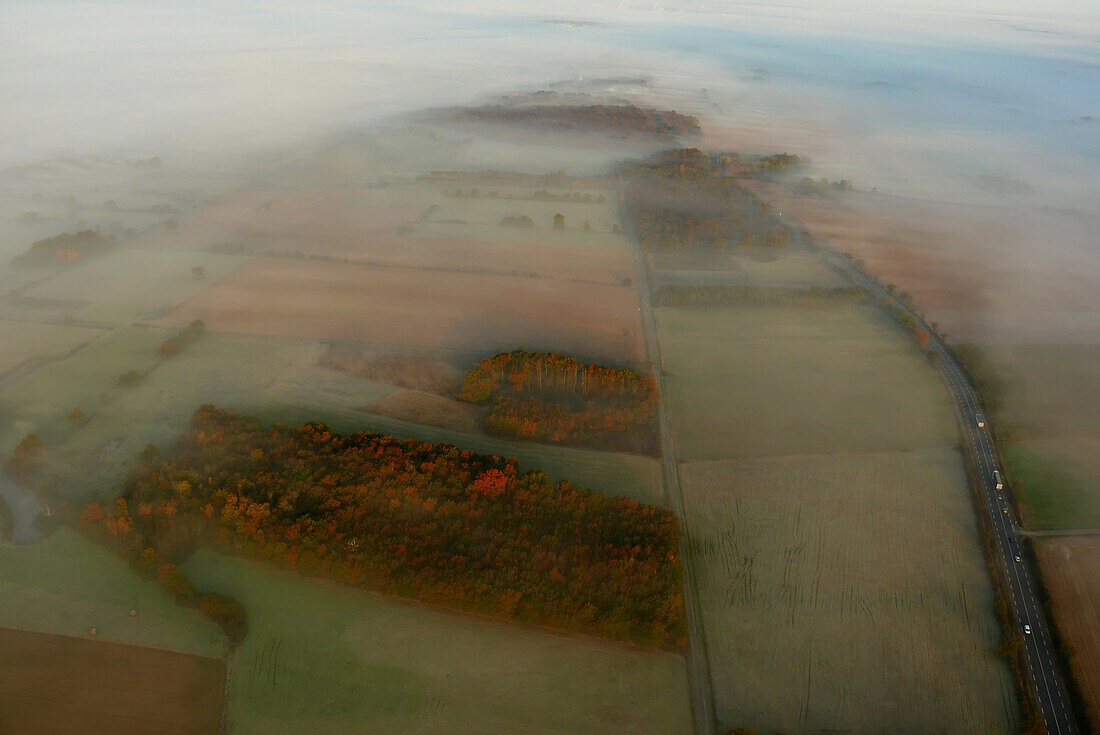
(204,79)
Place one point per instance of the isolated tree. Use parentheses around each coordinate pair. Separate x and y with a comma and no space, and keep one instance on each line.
(76,414)
(27,453)
(587,226)
(559,221)
(198,272)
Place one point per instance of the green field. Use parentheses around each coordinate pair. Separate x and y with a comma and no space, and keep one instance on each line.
(324,658)
(21,341)
(768,380)
(846,593)
(40,402)
(66,584)
(1055,488)
(1050,423)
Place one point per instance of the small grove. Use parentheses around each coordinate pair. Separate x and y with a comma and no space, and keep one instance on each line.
(548,397)
(408,518)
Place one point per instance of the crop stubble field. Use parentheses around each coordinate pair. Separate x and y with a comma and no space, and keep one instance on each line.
(840,576)
(1071,574)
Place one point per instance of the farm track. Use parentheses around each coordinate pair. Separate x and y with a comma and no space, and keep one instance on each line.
(699,676)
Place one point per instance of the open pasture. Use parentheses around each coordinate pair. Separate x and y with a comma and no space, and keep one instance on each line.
(66,584)
(324,658)
(130,284)
(1050,421)
(774,380)
(846,593)
(1056,481)
(1071,574)
(60,685)
(420,308)
(21,341)
(40,402)
(89,461)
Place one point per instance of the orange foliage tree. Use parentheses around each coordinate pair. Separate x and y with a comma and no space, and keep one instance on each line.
(429,521)
(544,396)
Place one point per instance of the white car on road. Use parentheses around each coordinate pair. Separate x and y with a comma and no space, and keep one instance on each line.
(1027,629)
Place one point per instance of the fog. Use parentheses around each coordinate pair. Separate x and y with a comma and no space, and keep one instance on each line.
(319,212)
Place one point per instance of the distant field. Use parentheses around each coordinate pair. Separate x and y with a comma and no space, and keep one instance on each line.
(1055,489)
(129,284)
(1051,425)
(286,221)
(420,308)
(66,584)
(60,685)
(41,401)
(846,593)
(573,236)
(1071,573)
(788,380)
(487,211)
(90,461)
(21,341)
(797,271)
(323,658)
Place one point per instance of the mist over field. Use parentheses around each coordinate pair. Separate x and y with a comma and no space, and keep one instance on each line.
(667,366)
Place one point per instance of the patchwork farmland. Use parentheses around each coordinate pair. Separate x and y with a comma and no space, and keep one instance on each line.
(828,519)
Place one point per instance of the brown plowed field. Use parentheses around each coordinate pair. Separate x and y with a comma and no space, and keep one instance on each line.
(420,308)
(55,684)
(1071,573)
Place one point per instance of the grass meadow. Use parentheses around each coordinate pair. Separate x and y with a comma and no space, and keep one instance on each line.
(324,658)
(66,584)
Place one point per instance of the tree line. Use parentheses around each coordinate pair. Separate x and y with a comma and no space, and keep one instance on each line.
(685,198)
(612,118)
(186,336)
(554,398)
(716,295)
(409,518)
(65,248)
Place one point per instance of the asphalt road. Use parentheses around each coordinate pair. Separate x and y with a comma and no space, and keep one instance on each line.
(1026,608)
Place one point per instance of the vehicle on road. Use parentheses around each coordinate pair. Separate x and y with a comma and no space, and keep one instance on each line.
(1018,558)
(1004,508)
(1027,629)
(980,420)
(998,480)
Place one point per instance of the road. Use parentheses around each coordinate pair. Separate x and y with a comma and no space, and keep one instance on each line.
(1024,601)
(702,691)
